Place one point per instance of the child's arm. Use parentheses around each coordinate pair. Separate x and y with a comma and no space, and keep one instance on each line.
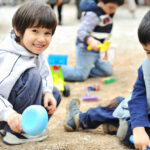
(86,27)
(45,72)
(88,5)
(9,115)
(93,43)
(138,111)
(14,121)
(47,81)
(138,103)
(140,138)
(50,102)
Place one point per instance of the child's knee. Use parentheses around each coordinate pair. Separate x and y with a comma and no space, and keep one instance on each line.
(31,76)
(109,72)
(82,76)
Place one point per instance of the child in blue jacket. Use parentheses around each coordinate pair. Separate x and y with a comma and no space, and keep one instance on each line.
(95,27)
(132,115)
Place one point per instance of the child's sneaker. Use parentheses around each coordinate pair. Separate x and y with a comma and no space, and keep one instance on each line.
(72,121)
(2,132)
(2,125)
(115,102)
(15,139)
(111,128)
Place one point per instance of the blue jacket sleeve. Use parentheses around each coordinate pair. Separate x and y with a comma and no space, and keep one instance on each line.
(138,103)
(88,5)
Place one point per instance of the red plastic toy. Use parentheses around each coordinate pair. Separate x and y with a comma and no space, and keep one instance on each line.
(95,87)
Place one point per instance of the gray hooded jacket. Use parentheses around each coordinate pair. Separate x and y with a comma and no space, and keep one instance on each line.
(14,60)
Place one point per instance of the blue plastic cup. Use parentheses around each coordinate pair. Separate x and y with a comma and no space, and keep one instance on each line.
(34,120)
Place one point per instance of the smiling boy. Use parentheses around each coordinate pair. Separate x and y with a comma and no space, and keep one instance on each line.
(25,75)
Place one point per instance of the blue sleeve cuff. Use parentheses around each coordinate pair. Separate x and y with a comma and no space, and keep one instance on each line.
(144,122)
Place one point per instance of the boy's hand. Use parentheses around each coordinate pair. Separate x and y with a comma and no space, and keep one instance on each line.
(14,121)
(140,138)
(94,43)
(50,102)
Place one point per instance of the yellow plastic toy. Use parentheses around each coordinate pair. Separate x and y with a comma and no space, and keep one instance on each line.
(102,46)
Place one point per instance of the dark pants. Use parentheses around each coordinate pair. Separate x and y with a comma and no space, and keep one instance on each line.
(28,91)
(97,116)
(78,9)
(59,9)
(100,115)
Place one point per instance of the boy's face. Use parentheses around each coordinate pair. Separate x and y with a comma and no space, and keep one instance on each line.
(147,49)
(108,8)
(35,39)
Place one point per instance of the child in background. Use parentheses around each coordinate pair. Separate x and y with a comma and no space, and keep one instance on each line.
(79,12)
(59,5)
(25,75)
(95,27)
(91,5)
(132,115)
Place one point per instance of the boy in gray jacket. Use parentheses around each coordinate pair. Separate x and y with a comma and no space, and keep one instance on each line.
(25,77)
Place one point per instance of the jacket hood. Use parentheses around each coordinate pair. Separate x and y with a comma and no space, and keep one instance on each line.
(9,44)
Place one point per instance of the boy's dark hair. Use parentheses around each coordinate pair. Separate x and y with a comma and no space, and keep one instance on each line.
(118,2)
(144,29)
(34,13)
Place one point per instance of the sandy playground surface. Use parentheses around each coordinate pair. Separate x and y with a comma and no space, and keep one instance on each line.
(129,55)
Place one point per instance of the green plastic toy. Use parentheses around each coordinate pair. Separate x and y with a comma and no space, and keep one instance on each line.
(55,62)
(108,80)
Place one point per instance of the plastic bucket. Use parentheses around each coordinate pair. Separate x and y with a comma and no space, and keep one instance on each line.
(56,59)
(34,120)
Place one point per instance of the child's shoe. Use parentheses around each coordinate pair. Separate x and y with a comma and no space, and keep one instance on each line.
(2,132)
(15,139)
(111,128)
(2,125)
(72,121)
(115,102)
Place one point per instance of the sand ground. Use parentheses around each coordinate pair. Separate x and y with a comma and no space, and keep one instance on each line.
(129,55)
